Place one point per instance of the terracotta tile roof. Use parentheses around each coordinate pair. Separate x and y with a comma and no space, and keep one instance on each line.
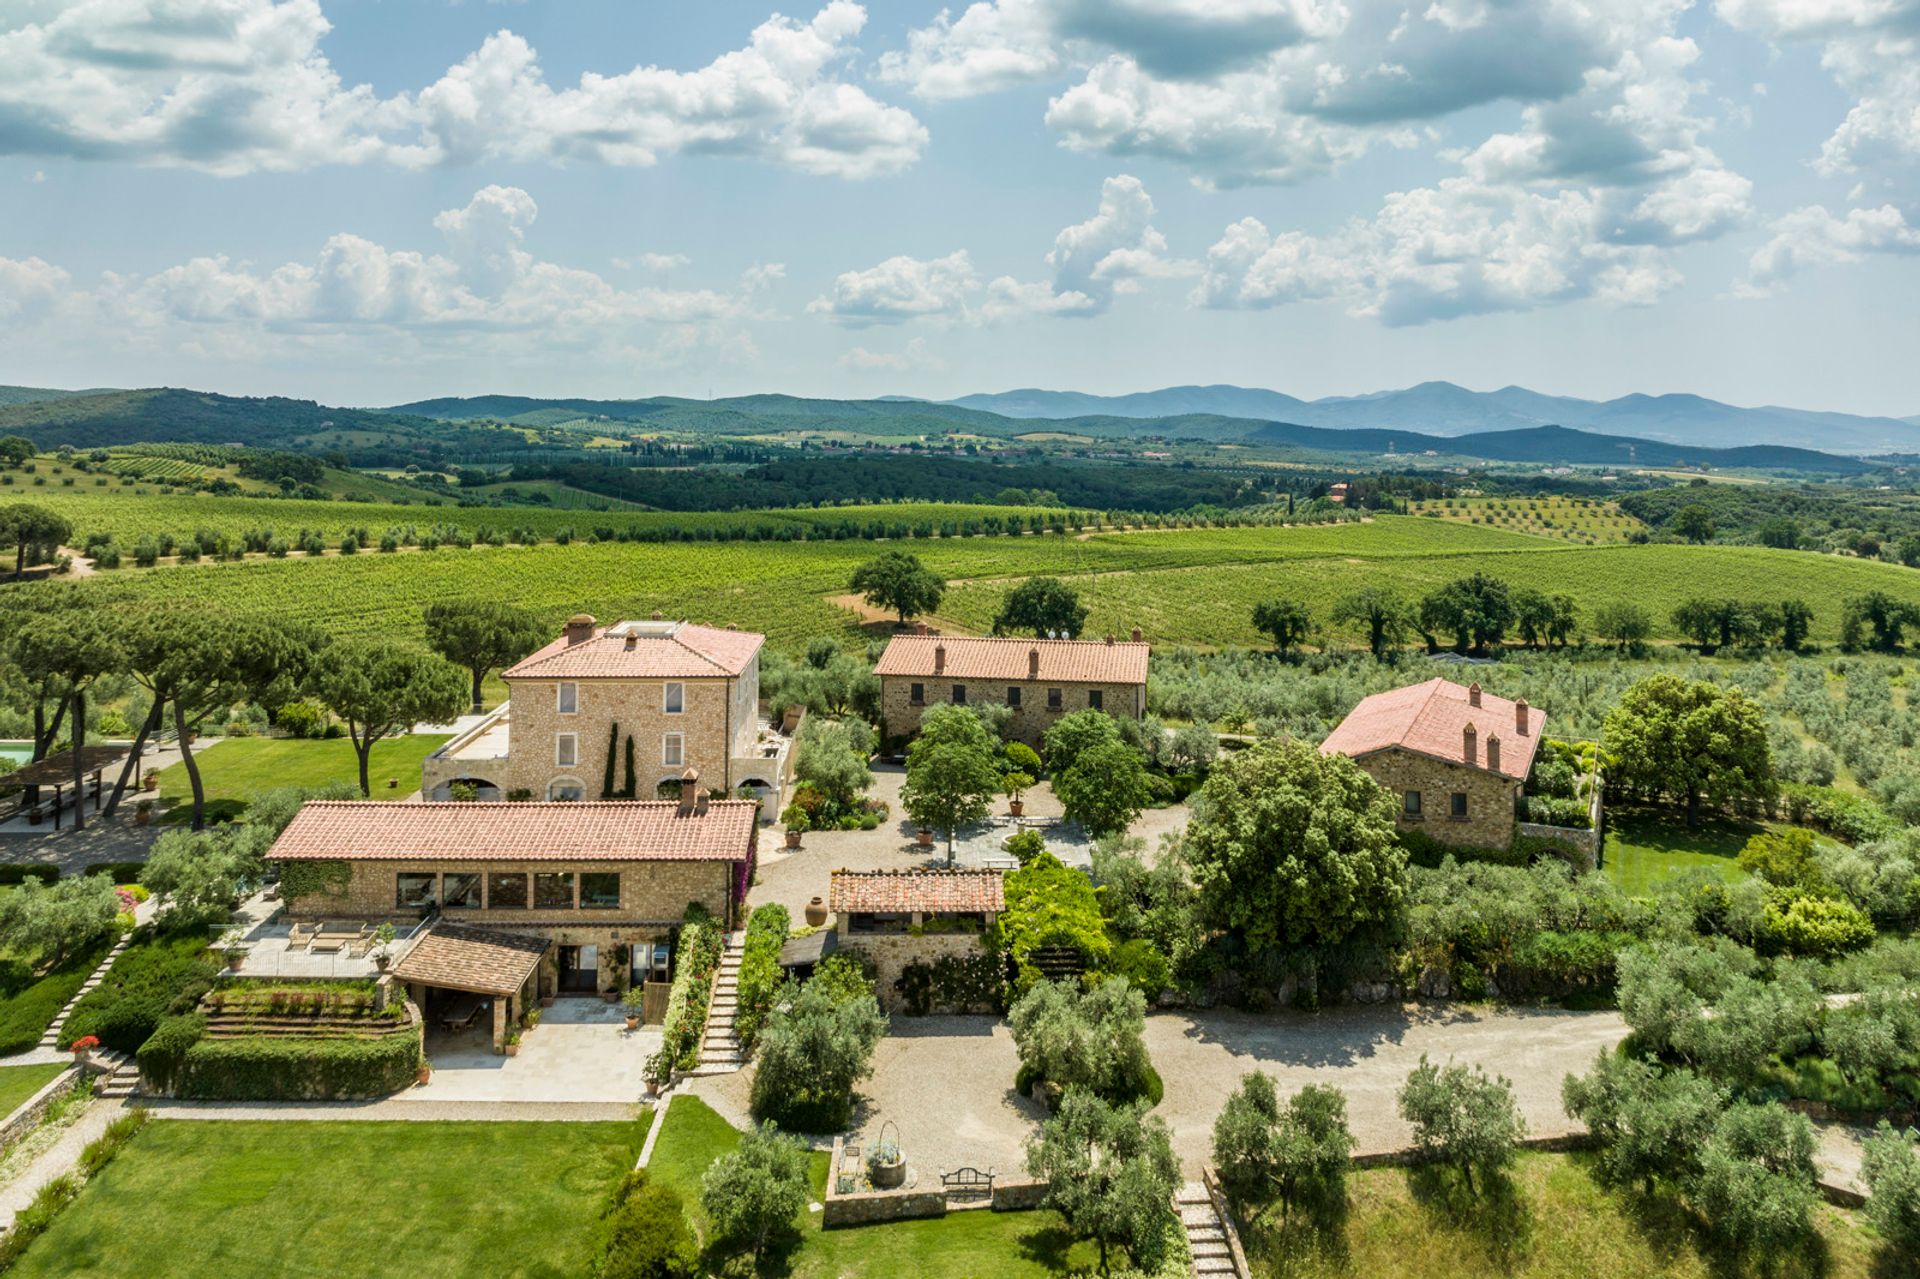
(661,650)
(1011,659)
(911,890)
(481,960)
(621,831)
(1431,719)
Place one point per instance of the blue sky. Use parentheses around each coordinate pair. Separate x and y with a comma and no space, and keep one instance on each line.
(367,201)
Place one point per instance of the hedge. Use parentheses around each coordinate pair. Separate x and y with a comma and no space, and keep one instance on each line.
(153,977)
(298,1067)
(160,1057)
(1853,818)
(760,973)
(28,1004)
(20,874)
(122,872)
(697,952)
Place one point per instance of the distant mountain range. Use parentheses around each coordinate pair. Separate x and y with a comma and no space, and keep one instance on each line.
(1441,408)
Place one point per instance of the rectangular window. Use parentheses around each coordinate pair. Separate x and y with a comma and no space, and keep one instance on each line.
(1410,804)
(567,698)
(1459,805)
(413,891)
(673,749)
(460,892)
(1096,700)
(662,958)
(674,700)
(506,892)
(1053,699)
(600,889)
(959,694)
(917,694)
(1013,698)
(566,749)
(553,890)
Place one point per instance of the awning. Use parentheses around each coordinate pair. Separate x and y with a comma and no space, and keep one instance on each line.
(57,770)
(478,960)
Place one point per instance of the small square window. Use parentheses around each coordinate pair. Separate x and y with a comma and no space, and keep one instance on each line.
(567,698)
(553,890)
(1053,699)
(566,750)
(506,892)
(1459,805)
(414,891)
(959,694)
(674,699)
(673,749)
(1013,698)
(1410,805)
(600,889)
(917,694)
(461,892)
(1096,700)
(566,792)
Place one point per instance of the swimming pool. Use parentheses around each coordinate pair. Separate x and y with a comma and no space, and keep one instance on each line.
(18,752)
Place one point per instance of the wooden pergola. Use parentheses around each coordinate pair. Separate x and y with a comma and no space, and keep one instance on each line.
(57,771)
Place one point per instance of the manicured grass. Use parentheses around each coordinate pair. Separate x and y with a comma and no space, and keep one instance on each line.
(26,1013)
(1643,848)
(969,1245)
(1556,1222)
(241,767)
(17,1083)
(244,1198)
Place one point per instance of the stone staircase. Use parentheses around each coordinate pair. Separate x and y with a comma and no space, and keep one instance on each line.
(1210,1240)
(51,1040)
(122,1079)
(720,1048)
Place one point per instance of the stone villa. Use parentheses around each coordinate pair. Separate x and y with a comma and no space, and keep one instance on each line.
(621,712)
(897,918)
(525,899)
(1454,758)
(1041,679)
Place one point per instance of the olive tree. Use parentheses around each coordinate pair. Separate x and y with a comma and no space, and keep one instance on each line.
(1462,1117)
(1755,1184)
(1891,1168)
(1297,1152)
(1092,1039)
(1111,1172)
(49,922)
(817,1044)
(754,1193)
(1650,1122)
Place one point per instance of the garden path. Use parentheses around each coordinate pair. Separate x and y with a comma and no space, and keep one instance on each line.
(58,1159)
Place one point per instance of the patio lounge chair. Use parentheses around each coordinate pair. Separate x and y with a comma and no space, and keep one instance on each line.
(461,1014)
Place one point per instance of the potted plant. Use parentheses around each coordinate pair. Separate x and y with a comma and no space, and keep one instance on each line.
(143,813)
(236,949)
(150,780)
(83,1049)
(1014,786)
(635,999)
(795,819)
(383,950)
(923,837)
(816,912)
(612,994)
(886,1166)
(424,1073)
(512,1048)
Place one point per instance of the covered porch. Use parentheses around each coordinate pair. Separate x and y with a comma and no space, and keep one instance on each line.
(57,773)
(466,979)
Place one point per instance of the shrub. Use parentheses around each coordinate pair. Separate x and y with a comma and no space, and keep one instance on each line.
(954,984)
(816,1046)
(1804,923)
(29,1005)
(1550,810)
(1026,844)
(1853,818)
(298,1068)
(166,1048)
(698,954)
(303,718)
(647,1235)
(1093,1039)
(1756,1179)
(1049,906)
(754,1192)
(1463,1117)
(149,980)
(1892,1173)
(1143,966)
(760,973)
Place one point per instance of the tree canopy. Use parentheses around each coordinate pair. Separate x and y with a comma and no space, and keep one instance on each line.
(1382,612)
(1043,607)
(1285,621)
(479,635)
(1477,609)
(1111,1172)
(382,688)
(24,525)
(1691,741)
(952,776)
(1105,788)
(898,581)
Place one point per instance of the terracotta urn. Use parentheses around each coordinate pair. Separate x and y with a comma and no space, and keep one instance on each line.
(923,837)
(633,1021)
(1017,806)
(423,1074)
(816,913)
(793,839)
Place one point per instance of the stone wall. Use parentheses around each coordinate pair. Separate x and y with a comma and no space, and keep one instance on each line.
(26,1116)
(892,952)
(870,1207)
(1490,797)
(1018,1196)
(1031,719)
(719,722)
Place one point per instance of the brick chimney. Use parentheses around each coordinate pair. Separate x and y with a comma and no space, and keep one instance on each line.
(1033,663)
(579,628)
(690,792)
(1520,717)
(658,616)
(939,658)
(1473,694)
(1493,753)
(633,642)
(1109,639)
(1134,635)
(1470,742)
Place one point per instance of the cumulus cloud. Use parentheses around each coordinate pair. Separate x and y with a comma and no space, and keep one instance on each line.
(236,86)
(29,287)
(1815,237)
(916,356)
(1092,261)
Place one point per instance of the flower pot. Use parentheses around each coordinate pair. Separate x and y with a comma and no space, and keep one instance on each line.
(816,913)
(383,962)
(423,1074)
(143,817)
(546,1001)
(81,1057)
(889,1176)
(235,958)
(1017,807)
(513,1050)
(793,839)
(612,996)
(924,838)
(633,1021)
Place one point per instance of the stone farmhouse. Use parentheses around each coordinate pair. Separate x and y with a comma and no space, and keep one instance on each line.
(621,712)
(1455,759)
(520,900)
(1040,679)
(897,918)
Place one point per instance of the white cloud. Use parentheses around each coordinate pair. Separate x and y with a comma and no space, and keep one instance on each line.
(28,287)
(236,86)
(1872,48)
(917,356)
(901,288)
(654,262)
(1815,237)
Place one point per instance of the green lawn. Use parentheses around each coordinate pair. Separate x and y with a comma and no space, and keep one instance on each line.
(17,1083)
(968,1245)
(1643,847)
(206,1199)
(1555,1222)
(237,769)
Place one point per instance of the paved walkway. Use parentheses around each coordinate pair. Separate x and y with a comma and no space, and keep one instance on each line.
(61,1157)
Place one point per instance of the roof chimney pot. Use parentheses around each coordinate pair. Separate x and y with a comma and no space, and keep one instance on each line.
(658,616)
(633,642)
(1135,634)
(689,791)
(1109,639)
(1520,717)
(579,628)
(1470,741)
(939,658)
(1493,753)
(1473,693)
(1033,662)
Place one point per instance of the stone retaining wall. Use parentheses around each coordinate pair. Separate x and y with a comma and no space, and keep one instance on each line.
(869,1207)
(1018,1196)
(26,1116)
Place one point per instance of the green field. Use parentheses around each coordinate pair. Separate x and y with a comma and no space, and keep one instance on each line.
(1194,586)
(17,1083)
(1643,848)
(241,767)
(248,1198)
(1592,521)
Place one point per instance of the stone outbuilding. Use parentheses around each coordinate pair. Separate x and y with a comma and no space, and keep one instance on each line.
(901,917)
(1040,680)
(1455,759)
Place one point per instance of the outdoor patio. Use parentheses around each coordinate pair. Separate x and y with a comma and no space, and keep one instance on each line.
(275,949)
(580,1052)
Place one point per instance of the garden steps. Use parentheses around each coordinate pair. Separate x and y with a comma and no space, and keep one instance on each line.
(1208,1242)
(51,1039)
(720,1052)
(123,1080)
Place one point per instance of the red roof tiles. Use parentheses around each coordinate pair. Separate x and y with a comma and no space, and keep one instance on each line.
(659,650)
(904,891)
(1011,659)
(480,960)
(366,830)
(1431,719)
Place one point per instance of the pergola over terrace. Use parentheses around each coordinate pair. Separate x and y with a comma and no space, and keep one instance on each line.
(60,772)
